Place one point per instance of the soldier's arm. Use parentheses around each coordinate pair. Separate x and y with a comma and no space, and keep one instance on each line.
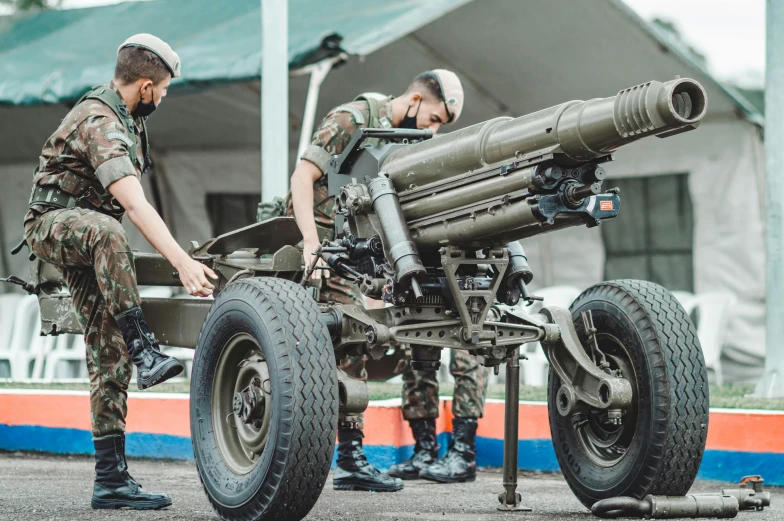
(302,181)
(129,193)
(102,142)
(330,139)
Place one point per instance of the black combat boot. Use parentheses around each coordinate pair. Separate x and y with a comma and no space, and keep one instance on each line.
(114,487)
(354,471)
(153,366)
(425,450)
(459,464)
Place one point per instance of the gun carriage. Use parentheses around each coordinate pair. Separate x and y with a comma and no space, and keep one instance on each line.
(430,226)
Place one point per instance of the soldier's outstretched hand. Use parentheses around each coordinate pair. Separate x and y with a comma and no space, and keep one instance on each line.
(193,275)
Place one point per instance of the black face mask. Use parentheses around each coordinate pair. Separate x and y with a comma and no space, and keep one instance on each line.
(410,121)
(144,109)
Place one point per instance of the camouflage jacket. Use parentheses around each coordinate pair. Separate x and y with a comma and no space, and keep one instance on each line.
(331,137)
(88,152)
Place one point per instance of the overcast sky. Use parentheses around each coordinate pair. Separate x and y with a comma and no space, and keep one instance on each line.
(730,33)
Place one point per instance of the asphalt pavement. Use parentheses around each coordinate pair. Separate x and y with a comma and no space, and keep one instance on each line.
(43,487)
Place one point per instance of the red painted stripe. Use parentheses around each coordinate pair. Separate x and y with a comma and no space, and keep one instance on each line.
(752,431)
(72,412)
(533,422)
(749,432)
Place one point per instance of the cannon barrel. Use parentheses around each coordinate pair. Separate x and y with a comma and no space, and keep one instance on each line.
(575,132)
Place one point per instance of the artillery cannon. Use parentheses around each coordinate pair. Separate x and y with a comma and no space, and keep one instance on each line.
(430,227)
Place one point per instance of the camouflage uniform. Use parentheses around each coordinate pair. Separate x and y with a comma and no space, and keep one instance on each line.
(89,151)
(420,395)
(420,389)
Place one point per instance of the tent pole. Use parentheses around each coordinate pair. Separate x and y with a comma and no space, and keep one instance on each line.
(274,99)
(772,383)
(317,75)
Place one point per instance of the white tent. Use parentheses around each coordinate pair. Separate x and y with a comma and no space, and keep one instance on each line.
(514,58)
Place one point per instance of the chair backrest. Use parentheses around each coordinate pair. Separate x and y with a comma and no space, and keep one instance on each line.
(27,324)
(713,309)
(8,305)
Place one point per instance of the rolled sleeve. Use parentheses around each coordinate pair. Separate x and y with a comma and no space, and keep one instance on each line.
(318,156)
(114,169)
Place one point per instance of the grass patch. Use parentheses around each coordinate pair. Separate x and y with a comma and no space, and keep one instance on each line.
(728,396)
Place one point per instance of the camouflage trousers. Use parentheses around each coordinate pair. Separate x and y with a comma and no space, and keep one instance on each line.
(91,251)
(420,389)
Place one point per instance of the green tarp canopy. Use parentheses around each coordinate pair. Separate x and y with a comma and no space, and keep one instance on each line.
(55,56)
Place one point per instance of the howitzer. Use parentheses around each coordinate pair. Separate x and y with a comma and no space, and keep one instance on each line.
(429,225)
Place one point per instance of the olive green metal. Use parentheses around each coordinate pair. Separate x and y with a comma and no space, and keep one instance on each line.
(576,131)
(668,507)
(466,194)
(497,210)
(399,247)
(472,226)
(241,435)
(176,322)
(510,498)
(352,394)
(582,380)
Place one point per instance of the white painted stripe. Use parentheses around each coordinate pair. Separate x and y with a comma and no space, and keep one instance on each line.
(392,402)
(53,392)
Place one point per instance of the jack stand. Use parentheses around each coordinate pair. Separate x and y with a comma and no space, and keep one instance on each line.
(510,499)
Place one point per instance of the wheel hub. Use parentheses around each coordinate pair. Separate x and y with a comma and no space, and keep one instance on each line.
(242,401)
(249,404)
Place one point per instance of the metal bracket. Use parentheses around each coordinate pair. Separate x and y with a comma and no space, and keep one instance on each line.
(13,279)
(581,380)
(481,300)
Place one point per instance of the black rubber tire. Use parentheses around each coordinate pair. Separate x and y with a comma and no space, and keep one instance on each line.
(665,448)
(293,467)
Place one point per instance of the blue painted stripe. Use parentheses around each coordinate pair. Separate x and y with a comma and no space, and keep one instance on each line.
(76,441)
(537,455)
(728,465)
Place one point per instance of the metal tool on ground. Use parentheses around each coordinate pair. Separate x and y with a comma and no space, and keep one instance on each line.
(668,507)
(749,495)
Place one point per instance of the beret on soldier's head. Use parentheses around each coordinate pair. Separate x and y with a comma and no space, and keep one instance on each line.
(452,90)
(154,44)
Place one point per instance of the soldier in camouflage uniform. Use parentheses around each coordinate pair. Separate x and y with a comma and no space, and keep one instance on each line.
(434,98)
(88,177)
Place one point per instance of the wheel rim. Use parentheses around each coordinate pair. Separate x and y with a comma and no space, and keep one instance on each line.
(605,444)
(241,403)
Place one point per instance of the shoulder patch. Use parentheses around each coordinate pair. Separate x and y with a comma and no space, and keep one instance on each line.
(358,117)
(118,136)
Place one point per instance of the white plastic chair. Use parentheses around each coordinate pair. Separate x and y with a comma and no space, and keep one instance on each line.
(71,350)
(8,305)
(713,311)
(27,343)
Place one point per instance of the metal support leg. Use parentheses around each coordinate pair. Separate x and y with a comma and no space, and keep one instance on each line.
(510,498)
